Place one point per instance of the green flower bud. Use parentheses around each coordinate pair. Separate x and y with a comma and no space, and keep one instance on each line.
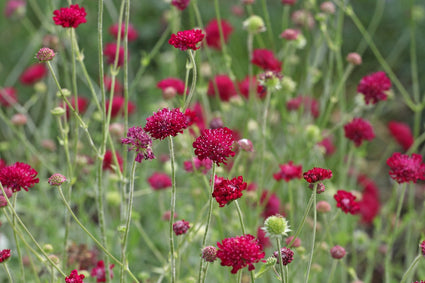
(254,24)
(276,226)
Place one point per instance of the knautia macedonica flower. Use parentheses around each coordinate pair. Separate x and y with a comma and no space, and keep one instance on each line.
(187,39)
(215,144)
(373,87)
(140,142)
(288,171)
(18,176)
(287,255)
(45,54)
(180,4)
(276,226)
(132,32)
(405,169)
(266,60)
(56,179)
(223,86)
(209,254)
(338,252)
(99,271)
(74,277)
(225,190)
(33,74)
(422,246)
(347,202)
(212,31)
(160,181)
(8,96)
(70,17)
(165,123)
(401,133)
(4,255)
(239,252)
(359,130)
(317,174)
(180,227)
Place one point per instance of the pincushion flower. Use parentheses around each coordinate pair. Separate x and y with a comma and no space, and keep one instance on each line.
(171,83)
(159,181)
(180,227)
(287,255)
(422,246)
(239,252)
(266,60)
(118,106)
(288,171)
(187,39)
(337,252)
(373,87)
(56,179)
(225,87)
(140,142)
(18,176)
(33,74)
(401,133)
(70,17)
(359,130)
(132,32)
(215,144)
(200,165)
(110,50)
(4,255)
(317,174)
(8,96)
(45,54)
(165,123)
(252,82)
(308,104)
(276,226)
(225,190)
(346,201)
(99,271)
(108,161)
(273,205)
(369,204)
(180,4)
(406,169)
(81,104)
(15,8)
(74,277)
(213,33)
(209,253)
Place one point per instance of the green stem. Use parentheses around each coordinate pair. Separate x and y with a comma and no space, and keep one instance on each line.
(268,23)
(332,273)
(411,267)
(172,210)
(18,246)
(314,232)
(238,208)
(194,78)
(307,210)
(8,272)
(279,249)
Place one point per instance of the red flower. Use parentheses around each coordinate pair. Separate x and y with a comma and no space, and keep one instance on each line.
(317,174)
(346,201)
(213,33)
(159,181)
(405,169)
(359,130)
(108,161)
(141,142)
(8,96)
(273,205)
(33,74)
(308,103)
(187,39)
(288,2)
(18,176)
(176,84)
(290,34)
(195,115)
(265,59)
(263,240)
(165,123)
(70,17)
(110,50)
(118,88)
(99,271)
(215,144)
(225,87)
(288,172)
(200,165)
(14,7)
(287,255)
(4,255)
(422,246)
(132,32)
(244,85)
(118,106)
(337,252)
(329,146)
(180,4)
(239,252)
(82,104)
(74,277)
(369,204)
(180,227)
(373,87)
(225,190)
(402,134)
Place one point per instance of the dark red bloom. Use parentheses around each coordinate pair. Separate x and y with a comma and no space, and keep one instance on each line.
(288,172)
(213,33)
(108,161)
(338,252)
(180,227)
(405,169)
(215,144)
(369,204)
(308,104)
(99,271)
(265,59)
(132,32)
(18,176)
(263,240)
(287,255)
(4,255)
(373,87)
(317,174)
(118,106)
(180,4)
(74,277)
(110,50)
(273,205)
(225,190)
(139,141)
(244,85)
(187,39)
(118,88)
(288,2)
(225,87)
(160,181)
(195,115)
(70,17)
(176,84)
(359,130)
(8,96)
(329,146)
(401,133)
(209,253)
(82,104)
(33,74)
(200,165)
(346,201)
(165,123)
(239,252)
(295,243)
(422,246)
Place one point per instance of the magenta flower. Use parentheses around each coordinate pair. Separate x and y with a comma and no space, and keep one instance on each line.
(70,17)
(266,60)
(337,252)
(346,201)
(140,142)
(225,87)
(165,123)
(74,277)
(18,176)
(369,204)
(225,190)
(359,130)
(110,50)
(99,271)
(252,82)
(213,34)
(8,96)
(180,4)
(33,74)
(317,174)
(401,133)
(4,255)
(287,255)
(373,87)
(180,227)
(405,169)
(108,161)
(159,181)
(132,32)
(200,165)
(422,246)
(209,253)
(307,103)
(288,172)
(172,83)
(187,39)
(118,106)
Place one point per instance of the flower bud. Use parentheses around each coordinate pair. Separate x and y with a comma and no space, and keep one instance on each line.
(254,24)
(327,7)
(45,54)
(19,119)
(276,226)
(323,206)
(354,58)
(58,111)
(56,180)
(209,253)
(338,252)
(246,145)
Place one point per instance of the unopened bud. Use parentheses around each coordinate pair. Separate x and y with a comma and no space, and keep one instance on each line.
(45,54)
(254,24)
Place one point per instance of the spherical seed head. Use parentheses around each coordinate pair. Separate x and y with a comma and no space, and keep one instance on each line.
(338,252)
(254,24)
(276,226)
(323,206)
(45,54)
(209,253)
(56,180)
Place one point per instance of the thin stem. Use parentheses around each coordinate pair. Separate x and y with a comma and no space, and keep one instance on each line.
(8,272)
(279,249)
(194,78)
(307,210)
(332,273)
(238,208)
(18,246)
(172,210)
(411,267)
(314,233)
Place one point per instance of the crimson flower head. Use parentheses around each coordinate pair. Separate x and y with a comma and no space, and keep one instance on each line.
(288,172)
(8,96)
(308,104)
(159,181)
(81,104)
(401,133)
(359,130)
(70,17)
(180,4)
(215,144)
(373,87)
(171,84)
(180,227)
(239,252)
(4,255)
(18,176)
(247,82)
(99,271)
(225,190)
(118,106)
(266,60)
(273,205)
(165,123)
(369,204)
(33,74)
(422,246)
(132,32)
(140,142)
(200,165)
(110,50)
(405,169)
(346,201)
(74,277)
(287,255)
(187,39)
(317,174)
(225,87)
(213,33)
(108,161)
